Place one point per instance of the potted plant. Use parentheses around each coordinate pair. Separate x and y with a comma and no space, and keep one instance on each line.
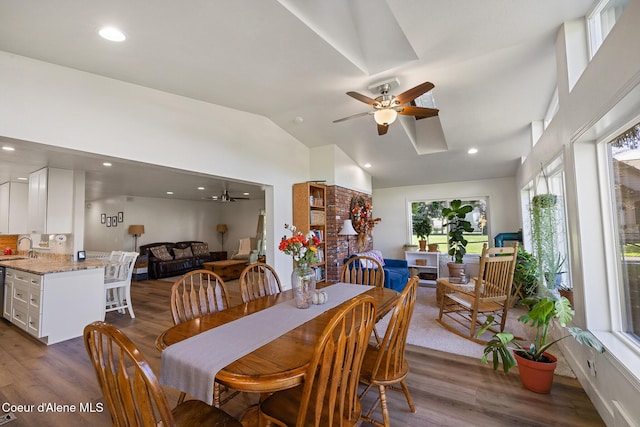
(567,292)
(553,273)
(422,227)
(525,275)
(457,225)
(545,218)
(535,364)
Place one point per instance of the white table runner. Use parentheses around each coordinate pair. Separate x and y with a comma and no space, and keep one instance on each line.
(191,365)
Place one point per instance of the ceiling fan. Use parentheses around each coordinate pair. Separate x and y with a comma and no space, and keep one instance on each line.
(386,107)
(226,197)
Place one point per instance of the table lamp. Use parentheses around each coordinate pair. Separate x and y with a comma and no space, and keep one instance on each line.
(347,230)
(222,228)
(136,231)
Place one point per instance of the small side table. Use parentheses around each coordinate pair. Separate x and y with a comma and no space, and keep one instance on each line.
(141,268)
(440,286)
(219,255)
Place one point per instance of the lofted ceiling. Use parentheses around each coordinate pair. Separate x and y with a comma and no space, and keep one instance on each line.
(492,63)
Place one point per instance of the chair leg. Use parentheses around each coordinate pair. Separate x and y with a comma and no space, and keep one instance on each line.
(181,397)
(383,405)
(129,304)
(405,390)
(375,333)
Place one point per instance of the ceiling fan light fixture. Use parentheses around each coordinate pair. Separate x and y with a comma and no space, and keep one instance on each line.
(385,116)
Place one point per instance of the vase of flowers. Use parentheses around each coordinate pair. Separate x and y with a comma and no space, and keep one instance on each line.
(363,220)
(303,248)
(303,282)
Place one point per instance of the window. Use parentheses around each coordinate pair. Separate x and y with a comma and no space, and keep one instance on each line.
(601,20)
(624,166)
(433,208)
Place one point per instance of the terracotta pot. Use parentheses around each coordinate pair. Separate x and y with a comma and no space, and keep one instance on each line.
(423,245)
(536,376)
(455,269)
(433,247)
(567,294)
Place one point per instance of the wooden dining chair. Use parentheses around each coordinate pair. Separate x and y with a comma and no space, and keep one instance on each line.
(384,364)
(196,293)
(329,395)
(362,270)
(132,393)
(463,311)
(258,280)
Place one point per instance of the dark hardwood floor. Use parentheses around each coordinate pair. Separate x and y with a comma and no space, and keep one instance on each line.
(448,390)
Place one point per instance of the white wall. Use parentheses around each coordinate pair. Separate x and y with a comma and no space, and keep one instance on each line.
(166,220)
(242,219)
(392,205)
(333,165)
(49,104)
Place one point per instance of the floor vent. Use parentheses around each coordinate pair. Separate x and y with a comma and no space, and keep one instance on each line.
(5,418)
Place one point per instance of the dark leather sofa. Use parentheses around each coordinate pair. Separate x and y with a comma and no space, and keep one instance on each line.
(159,268)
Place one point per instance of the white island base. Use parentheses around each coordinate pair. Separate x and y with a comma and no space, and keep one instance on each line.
(54,307)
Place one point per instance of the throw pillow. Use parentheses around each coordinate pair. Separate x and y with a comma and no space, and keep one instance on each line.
(375,254)
(200,249)
(161,252)
(182,253)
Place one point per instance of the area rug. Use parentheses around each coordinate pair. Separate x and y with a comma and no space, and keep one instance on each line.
(425,331)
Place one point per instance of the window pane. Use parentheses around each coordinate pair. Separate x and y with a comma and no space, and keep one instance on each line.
(624,158)
(477,217)
(604,16)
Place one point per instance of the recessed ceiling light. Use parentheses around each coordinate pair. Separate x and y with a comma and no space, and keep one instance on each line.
(22,178)
(107,164)
(472,150)
(245,194)
(200,188)
(169,192)
(367,165)
(7,148)
(112,34)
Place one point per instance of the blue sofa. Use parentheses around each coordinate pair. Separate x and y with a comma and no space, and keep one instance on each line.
(396,272)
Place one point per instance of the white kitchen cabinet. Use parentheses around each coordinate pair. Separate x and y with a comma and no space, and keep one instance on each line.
(50,201)
(426,265)
(8,296)
(54,307)
(13,207)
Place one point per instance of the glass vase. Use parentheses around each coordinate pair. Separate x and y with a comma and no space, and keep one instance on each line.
(303,283)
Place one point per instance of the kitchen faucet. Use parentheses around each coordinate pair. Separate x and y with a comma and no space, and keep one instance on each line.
(31,253)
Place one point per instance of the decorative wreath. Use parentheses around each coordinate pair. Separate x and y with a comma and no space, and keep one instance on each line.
(362,215)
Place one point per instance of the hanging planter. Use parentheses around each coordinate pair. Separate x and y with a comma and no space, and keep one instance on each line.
(545,218)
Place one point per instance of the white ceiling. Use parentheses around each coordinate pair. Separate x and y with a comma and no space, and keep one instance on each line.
(492,63)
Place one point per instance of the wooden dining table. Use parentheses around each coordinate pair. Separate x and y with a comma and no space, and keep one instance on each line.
(281,363)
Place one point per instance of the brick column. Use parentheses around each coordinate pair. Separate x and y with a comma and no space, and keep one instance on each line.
(338,205)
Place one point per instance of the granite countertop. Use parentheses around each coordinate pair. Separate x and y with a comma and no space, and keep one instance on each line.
(11,257)
(46,266)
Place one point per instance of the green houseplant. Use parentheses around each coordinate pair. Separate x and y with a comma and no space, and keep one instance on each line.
(525,275)
(545,221)
(502,348)
(422,227)
(457,225)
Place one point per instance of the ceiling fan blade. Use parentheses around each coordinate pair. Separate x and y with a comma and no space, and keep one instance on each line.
(382,129)
(413,93)
(421,112)
(353,117)
(363,98)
